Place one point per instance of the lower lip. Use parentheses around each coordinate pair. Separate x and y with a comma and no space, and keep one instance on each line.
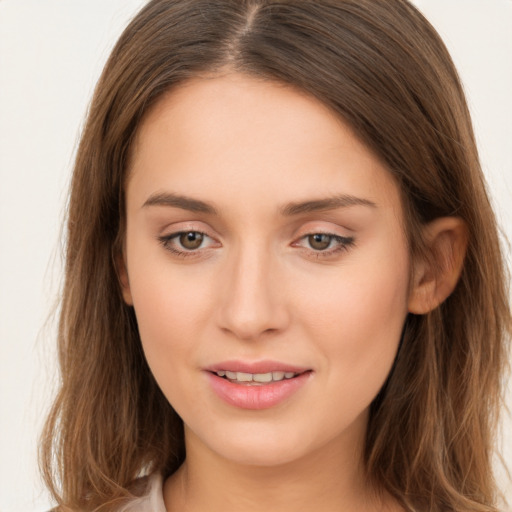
(256,397)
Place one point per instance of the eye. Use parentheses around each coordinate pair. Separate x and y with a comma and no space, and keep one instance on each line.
(324,244)
(320,241)
(186,243)
(191,240)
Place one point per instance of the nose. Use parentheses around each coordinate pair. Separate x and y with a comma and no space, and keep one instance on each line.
(253,301)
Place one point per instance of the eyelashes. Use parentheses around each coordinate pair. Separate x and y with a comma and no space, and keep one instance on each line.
(187,244)
(324,245)
(194,244)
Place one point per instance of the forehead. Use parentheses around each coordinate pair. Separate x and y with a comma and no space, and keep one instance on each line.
(234,135)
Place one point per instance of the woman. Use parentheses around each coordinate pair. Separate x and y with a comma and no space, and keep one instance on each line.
(284,286)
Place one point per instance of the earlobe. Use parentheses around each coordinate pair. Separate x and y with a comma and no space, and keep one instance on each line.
(435,276)
(123,279)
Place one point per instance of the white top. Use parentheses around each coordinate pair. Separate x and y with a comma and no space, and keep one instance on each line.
(152,501)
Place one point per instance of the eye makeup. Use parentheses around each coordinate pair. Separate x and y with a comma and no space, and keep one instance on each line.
(193,244)
(324,245)
(187,244)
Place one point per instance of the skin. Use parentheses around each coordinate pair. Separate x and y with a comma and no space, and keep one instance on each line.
(257,289)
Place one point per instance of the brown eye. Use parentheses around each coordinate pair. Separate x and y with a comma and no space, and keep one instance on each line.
(191,240)
(319,241)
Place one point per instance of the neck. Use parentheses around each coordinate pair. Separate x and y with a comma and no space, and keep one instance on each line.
(331,478)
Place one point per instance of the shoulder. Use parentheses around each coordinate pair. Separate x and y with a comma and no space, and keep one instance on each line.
(151,501)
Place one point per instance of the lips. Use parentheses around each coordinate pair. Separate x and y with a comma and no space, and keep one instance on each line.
(258,385)
(265,366)
(256,378)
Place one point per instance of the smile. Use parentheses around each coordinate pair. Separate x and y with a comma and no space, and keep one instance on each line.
(255,378)
(256,386)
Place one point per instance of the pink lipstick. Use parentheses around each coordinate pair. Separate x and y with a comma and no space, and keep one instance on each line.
(258,385)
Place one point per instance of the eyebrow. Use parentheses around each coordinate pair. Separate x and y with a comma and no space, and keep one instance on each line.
(331,203)
(179,201)
(288,210)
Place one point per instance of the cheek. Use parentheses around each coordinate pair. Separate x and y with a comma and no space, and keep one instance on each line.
(169,323)
(171,306)
(367,293)
(167,297)
(358,323)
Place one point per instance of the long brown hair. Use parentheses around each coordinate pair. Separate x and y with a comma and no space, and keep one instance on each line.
(383,69)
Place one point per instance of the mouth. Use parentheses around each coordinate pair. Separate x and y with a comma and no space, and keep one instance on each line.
(256,379)
(257,385)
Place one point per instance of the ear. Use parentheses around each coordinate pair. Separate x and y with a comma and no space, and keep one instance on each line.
(435,276)
(124,282)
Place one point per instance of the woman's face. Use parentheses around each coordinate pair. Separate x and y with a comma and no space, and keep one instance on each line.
(268,268)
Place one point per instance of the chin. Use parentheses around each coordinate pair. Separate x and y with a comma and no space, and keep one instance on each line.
(263,455)
(266,447)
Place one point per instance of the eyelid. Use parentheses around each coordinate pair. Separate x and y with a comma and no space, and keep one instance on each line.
(326,225)
(342,243)
(184,227)
(341,239)
(168,241)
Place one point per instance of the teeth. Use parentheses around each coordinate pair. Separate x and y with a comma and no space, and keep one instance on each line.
(262,377)
(256,377)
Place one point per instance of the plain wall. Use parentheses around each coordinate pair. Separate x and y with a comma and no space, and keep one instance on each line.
(51,54)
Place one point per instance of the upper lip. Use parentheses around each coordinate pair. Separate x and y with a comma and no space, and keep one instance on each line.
(264,366)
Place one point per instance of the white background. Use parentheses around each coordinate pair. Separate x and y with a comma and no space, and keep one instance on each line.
(51,54)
